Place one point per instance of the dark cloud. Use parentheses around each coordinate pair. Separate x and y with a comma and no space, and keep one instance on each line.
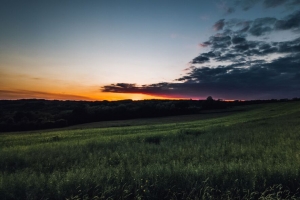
(247,74)
(237,40)
(119,87)
(290,22)
(264,46)
(245,26)
(226,48)
(257,27)
(262,26)
(277,78)
(200,59)
(269,50)
(220,41)
(157,89)
(210,54)
(256,80)
(292,46)
(205,44)
(241,47)
(219,25)
(227,57)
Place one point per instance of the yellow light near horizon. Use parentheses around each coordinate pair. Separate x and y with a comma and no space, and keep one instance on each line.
(120,96)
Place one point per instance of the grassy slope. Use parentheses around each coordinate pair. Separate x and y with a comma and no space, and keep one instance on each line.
(246,154)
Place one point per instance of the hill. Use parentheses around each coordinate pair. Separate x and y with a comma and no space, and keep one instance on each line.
(248,154)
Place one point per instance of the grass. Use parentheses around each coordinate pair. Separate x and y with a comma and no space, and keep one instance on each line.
(244,155)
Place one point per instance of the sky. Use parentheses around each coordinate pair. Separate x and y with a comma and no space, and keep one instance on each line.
(149,49)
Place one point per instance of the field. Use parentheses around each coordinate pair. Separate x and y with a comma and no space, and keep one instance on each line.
(248,154)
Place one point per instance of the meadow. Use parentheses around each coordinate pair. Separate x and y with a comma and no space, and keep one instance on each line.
(250,154)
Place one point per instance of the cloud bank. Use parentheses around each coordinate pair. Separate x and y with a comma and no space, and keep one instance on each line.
(256,68)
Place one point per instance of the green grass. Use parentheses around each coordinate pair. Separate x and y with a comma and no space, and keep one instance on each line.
(251,154)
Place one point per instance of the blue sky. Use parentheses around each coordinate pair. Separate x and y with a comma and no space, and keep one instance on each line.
(117,49)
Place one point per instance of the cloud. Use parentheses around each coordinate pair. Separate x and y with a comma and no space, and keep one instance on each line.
(257,27)
(237,40)
(200,59)
(237,49)
(243,79)
(265,69)
(162,89)
(235,31)
(220,41)
(239,62)
(119,87)
(290,22)
(262,26)
(205,44)
(209,54)
(21,94)
(219,25)
(292,46)
(245,26)
(257,80)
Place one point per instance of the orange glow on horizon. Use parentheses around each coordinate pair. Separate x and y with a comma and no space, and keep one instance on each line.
(121,96)
(16,85)
(91,96)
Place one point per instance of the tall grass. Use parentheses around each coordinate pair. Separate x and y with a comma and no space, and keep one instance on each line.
(250,155)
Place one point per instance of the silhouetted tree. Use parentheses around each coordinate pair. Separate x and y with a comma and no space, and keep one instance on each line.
(209,98)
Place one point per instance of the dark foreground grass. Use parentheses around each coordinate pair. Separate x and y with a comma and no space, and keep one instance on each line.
(248,155)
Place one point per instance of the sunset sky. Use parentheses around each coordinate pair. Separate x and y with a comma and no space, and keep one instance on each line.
(146,49)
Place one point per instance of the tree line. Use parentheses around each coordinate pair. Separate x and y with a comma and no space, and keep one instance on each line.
(33,114)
